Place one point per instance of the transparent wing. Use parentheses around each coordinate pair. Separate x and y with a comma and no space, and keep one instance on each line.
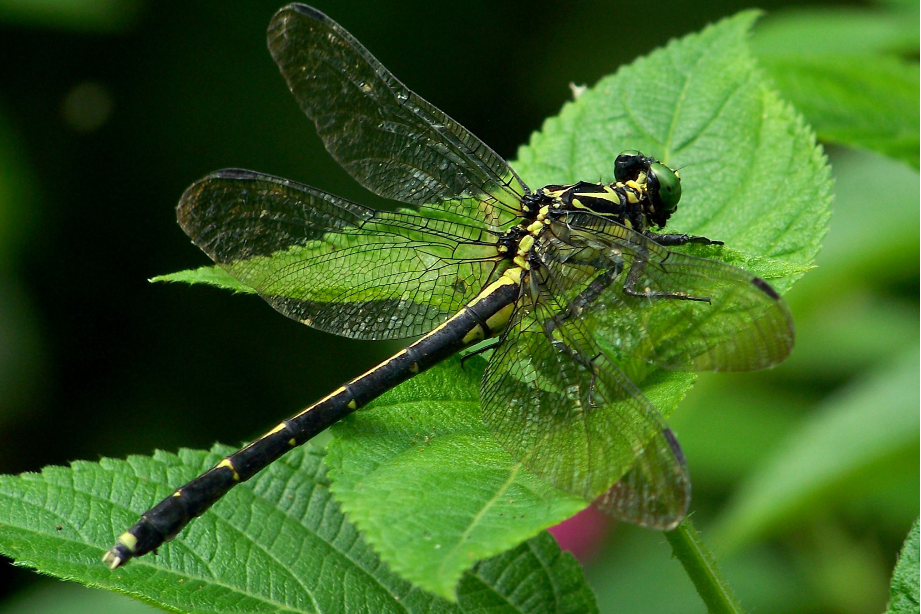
(333,264)
(391,140)
(558,402)
(641,304)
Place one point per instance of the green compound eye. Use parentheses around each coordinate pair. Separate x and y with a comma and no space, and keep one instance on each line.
(665,187)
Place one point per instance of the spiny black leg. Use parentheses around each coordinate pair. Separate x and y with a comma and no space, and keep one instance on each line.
(576,306)
(591,390)
(669,239)
(633,277)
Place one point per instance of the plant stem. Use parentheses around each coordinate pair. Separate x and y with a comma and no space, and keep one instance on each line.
(698,563)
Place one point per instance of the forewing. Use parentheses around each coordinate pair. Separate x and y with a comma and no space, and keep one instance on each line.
(742,325)
(391,140)
(333,264)
(556,401)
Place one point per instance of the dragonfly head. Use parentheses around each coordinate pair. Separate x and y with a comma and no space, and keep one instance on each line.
(663,185)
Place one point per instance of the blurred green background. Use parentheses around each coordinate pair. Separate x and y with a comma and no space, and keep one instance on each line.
(805,477)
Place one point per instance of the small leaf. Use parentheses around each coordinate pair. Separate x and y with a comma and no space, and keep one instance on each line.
(869,421)
(278,543)
(903,595)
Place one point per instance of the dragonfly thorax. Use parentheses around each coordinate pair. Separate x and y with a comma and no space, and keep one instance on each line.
(644,193)
(519,242)
(626,203)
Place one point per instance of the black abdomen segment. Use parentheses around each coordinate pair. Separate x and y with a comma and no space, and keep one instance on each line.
(163,521)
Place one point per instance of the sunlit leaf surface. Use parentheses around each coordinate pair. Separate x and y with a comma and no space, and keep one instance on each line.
(278,544)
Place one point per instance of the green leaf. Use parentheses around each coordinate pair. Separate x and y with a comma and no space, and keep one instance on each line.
(770,269)
(903,596)
(433,492)
(534,577)
(856,430)
(838,30)
(840,69)
(865,101)
(208,275)
(419,472)
(279,543)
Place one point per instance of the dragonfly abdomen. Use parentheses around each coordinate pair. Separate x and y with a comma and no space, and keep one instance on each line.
(481,318)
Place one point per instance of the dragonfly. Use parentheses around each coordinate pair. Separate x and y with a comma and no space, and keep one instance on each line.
(572,287)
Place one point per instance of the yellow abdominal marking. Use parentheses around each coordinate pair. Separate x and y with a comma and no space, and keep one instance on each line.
(226,464)
(500,318)
(282,426)
(332,394)
(128,540)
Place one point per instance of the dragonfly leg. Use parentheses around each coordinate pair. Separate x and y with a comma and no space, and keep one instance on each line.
(573,309)
(670,238)
(591,388)
(636,271)
(550,326)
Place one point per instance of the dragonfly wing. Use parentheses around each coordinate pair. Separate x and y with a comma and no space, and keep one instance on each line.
(391,140)
(333,264)
(656,492)
(741,325)
(555,400)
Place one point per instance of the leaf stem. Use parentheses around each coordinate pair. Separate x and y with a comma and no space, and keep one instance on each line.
(688,547)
